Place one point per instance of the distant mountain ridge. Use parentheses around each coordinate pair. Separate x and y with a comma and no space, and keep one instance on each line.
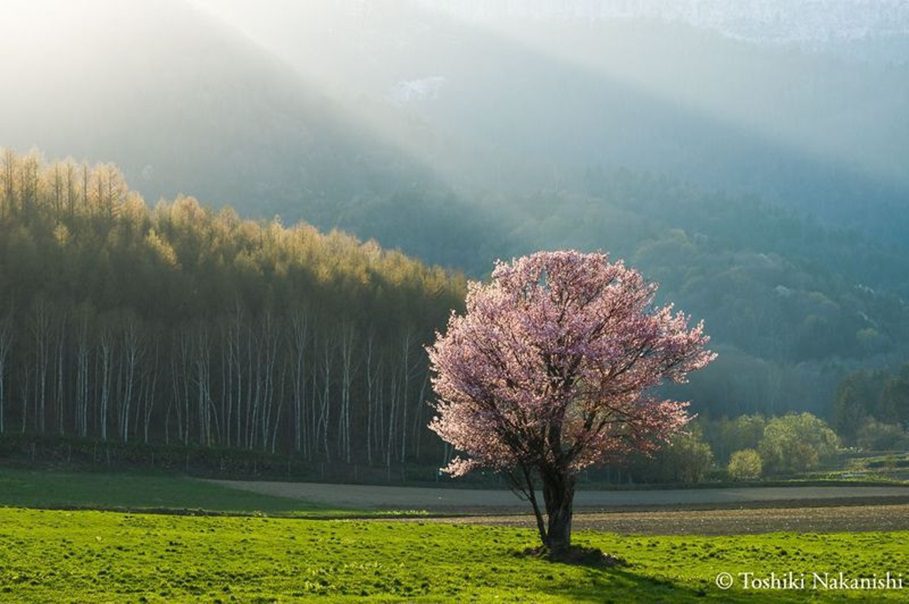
(812,24)
(766,188)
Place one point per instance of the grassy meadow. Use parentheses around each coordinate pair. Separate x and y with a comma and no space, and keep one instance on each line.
(272,549)
(90,556)
(36,488)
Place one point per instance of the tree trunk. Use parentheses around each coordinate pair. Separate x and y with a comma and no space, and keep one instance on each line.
(558,496)
(526,486)
(6,340)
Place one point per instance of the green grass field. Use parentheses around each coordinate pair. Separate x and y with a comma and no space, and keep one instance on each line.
(86,556)
(83,555)
(53,489)
(43,489)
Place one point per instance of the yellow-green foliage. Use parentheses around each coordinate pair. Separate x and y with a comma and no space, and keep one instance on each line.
(745,465)
(217,328)
(797,442)
(76,233)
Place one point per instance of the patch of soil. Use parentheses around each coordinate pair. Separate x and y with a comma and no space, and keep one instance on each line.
(581,556)
(851,518)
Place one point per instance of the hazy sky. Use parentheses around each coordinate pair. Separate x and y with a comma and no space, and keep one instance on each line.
(778,21)
(543,84)
(673,70)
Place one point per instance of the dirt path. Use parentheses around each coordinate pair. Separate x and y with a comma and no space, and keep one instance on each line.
(482,501)
(727,522)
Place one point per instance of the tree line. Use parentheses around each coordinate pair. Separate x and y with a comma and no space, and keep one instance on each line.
(873,404)
(754,446)
(180,324)
(792,304)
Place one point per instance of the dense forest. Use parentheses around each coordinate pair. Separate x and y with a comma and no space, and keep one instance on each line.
(792,305)
(178,324)
(763,187)
(188,326)
(872,399)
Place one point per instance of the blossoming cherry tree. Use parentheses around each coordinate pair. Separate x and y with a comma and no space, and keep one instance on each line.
(552,369)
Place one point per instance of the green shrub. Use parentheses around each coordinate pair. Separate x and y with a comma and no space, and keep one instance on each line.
(745,465)
(796,442)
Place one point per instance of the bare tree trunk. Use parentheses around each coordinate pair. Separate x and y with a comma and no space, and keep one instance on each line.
(558,495)
(23,393)
(314,408)
(226,391)
(6,342)
(185,372)
(392,419)
(405,388)
(299,341)
(59,390)
(523,483)
(150,382)
(181,370)
(237,360)
(370,385)
(202,371)
(175,400)
(250,400)
(106,371)
(41,334)
(132,354)
(277,414)
(272,415)
(419,422)
(82,377)
(378,414)
(170,406)
(256,398)
(348,339)
(325,403)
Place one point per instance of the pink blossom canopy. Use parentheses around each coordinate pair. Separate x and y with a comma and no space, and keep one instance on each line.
(553,362)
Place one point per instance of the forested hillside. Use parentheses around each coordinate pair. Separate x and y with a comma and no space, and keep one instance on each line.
(184,105)
(181,324)
(527,95)
(763,185)
(792,305)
